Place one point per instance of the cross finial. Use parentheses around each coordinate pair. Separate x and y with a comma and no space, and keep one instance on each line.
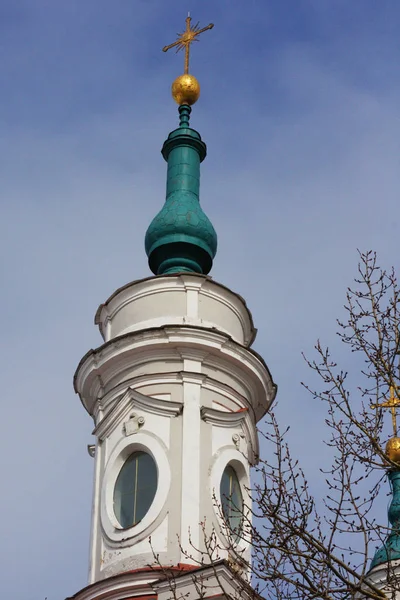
(392,402)
(186,38)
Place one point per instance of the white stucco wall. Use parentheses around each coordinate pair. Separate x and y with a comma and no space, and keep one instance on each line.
(176,379)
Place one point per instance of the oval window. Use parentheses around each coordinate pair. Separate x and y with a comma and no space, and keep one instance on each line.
(135,489)
(231,500)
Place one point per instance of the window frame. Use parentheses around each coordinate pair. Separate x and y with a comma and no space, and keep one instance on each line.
(150,444)
(229,455)
(136,489)
(225,502)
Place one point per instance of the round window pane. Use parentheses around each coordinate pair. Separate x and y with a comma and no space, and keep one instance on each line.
(231,500)
(135,489)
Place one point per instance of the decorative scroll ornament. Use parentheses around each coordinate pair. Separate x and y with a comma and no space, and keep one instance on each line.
(133,424)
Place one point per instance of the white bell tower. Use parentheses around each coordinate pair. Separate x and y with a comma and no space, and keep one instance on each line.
(175,379)
(175,393)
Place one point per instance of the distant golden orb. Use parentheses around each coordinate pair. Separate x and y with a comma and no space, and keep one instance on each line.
(185,89)
(393,449)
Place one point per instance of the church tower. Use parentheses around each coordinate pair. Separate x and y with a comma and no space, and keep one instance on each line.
(384,572)
(175,392)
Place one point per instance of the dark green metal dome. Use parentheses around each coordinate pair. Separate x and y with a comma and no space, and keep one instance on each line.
(391,548)
(181,237)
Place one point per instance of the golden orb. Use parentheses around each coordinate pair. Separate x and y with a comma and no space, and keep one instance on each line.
(393,449)
(185,89)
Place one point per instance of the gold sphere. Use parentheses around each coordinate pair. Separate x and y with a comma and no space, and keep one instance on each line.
(185,89)
(393,449)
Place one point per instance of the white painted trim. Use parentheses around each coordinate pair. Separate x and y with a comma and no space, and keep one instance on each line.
(124,585)
(151,444)
(191,447)
(244,322)
(155,404)
(154,345)
(241,419)
(222,418)
(186,284)
(229,455)
(149,582)
(135,384)
(130,400)
(192,303)
(214,581)
(380,574)
(94,530)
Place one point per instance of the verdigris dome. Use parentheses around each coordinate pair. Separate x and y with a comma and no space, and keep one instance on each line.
(181,237)
(390,550)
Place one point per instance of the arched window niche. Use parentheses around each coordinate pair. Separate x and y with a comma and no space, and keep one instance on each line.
(135,488)
(232,501)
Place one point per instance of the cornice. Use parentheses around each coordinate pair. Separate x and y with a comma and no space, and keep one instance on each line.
(219,580)
(380,574)
(171,378)
(164,408)
(175,282)
(155,581)
(222,418)
(197,378)
(120,586)
(241,419)
(130,400)
(192,353)
(176,276)
(165,344)
(214,385)
(138,382)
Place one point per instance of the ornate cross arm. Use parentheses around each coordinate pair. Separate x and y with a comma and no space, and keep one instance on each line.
(392,402)
(186,38)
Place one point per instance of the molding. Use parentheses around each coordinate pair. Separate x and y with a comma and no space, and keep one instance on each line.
(157,406)
(381,574)
(222,418)
(215,386)
(123,585)
(249,333)
(241,419)
(141,381)
(130,400)
(143,292)
(148,346)
(190,377)
(192,353)
(180,283)
(156,582)
(113,417)
(230,455)
(217,581)
(171,379)
(116,536)
(166,279)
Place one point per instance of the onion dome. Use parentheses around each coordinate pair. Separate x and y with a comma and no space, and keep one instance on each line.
(391,548)
(181,237)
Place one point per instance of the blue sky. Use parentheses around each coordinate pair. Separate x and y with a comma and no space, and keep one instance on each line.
(299,109)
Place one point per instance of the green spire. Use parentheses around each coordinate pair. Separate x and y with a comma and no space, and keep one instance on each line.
(391,548)
(181,237)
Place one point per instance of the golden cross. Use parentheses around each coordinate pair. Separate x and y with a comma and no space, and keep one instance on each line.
(186,38)
(392,402)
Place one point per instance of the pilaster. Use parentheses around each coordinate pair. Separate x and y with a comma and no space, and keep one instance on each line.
(189,393)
